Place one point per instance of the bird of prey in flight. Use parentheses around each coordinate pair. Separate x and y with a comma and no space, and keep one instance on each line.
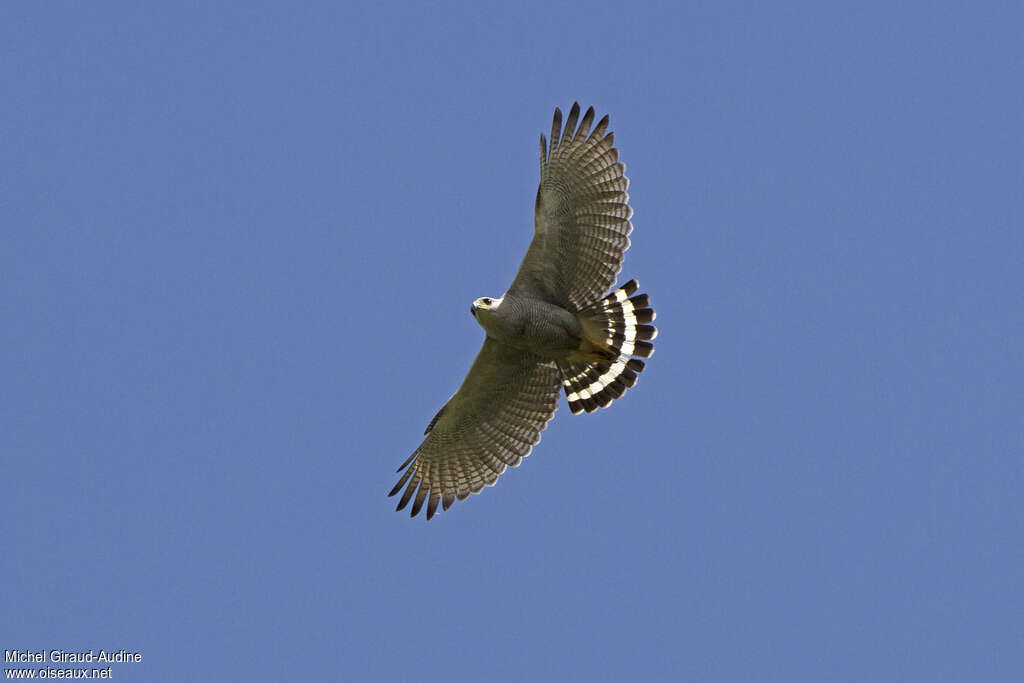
(554,328)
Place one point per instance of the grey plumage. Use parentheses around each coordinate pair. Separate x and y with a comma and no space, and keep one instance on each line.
(552,329)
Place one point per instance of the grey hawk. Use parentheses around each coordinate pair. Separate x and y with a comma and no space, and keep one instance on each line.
(551,329)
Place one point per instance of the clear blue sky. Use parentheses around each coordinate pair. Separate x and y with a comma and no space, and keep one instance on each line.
(238,250)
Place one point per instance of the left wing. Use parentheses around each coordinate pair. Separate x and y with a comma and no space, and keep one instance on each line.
(581,219)
(492,422)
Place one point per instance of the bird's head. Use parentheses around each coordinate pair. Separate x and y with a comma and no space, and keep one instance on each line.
(484,304)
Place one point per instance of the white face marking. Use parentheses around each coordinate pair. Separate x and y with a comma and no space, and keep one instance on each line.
(487,303)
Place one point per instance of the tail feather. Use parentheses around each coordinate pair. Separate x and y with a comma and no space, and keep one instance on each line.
(618,325)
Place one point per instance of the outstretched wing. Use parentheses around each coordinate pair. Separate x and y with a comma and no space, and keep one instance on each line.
(581,219)
(490,423)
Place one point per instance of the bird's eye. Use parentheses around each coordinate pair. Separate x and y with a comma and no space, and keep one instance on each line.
(487,301)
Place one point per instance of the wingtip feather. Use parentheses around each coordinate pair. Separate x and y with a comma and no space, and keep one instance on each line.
(421,496)
(570,121)
(409,490)
(584,129)
(401,482)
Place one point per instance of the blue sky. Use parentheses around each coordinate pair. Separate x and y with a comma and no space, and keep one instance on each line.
(239,246)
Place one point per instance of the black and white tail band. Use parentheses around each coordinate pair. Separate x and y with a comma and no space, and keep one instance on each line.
(625,320)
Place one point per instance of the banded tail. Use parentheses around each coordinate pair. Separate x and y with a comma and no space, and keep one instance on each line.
(614,329)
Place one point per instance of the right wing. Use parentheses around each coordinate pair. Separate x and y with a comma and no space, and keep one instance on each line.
(490,423)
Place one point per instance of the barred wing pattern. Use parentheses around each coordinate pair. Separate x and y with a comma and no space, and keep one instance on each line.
(581,218)
(492,422)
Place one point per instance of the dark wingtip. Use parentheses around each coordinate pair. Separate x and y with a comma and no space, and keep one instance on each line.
(401,482)
(420,497)
(588,119)
(406,463)
(409,490)
(569,132)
